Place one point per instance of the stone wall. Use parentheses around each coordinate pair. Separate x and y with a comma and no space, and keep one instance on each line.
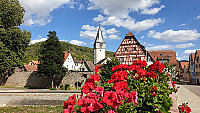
(30,79)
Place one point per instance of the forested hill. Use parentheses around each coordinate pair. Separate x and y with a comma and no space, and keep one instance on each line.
(32,52)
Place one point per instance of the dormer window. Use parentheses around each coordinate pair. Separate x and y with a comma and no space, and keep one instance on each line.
(134,48)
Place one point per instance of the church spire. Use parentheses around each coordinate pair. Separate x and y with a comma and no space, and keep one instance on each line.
(99,37)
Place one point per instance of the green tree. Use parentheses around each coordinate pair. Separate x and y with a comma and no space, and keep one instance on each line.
(106,68)
(13,40)
(52,58)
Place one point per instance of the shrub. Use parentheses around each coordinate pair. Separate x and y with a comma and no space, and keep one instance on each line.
(67,86)
(131,89)
(52,88)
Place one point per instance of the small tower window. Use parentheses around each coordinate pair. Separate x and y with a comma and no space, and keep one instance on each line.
(101,44)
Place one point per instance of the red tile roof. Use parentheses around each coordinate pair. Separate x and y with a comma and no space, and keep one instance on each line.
(30,67)
(184,64)
(129,34)
(66,55)
(167,54)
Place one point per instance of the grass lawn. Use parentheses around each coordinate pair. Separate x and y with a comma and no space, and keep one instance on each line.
(32,109)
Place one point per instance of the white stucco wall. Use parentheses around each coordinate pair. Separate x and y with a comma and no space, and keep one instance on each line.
(99,54)
(69,63)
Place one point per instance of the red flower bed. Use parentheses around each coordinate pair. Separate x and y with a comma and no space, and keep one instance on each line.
(134,88)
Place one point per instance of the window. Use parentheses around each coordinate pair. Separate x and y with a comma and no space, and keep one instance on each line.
(134,48)
(125,49)
(82,69)
(121,59)
(101,44)
(199,65)
(85,75)
(196,66)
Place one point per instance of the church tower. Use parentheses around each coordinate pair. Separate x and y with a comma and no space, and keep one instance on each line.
(99,47)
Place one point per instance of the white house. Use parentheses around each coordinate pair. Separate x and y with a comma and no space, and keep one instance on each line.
(70,63)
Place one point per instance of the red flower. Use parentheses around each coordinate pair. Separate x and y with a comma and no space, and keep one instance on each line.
(120,85)
(157,67)
(118,76)
(111,99)
(69,104)
(154,94)
(96,69)
(174,82)
(90,103)
(153,89)
(120,67)
(111,111)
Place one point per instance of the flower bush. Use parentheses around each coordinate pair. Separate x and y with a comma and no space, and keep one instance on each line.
(184,108)
(135,88)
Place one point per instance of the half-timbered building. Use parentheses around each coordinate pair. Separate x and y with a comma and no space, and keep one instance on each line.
(129,50)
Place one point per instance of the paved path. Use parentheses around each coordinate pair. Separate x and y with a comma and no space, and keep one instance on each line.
(23,97)
(191,96)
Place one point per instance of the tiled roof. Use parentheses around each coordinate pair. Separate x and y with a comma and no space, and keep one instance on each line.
(30,67)
(90,65)
(184,64)
(66,55)
(167,54)
(101,61)
(129,34)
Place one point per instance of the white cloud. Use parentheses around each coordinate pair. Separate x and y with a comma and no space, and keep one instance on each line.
(121,8)
(153,47)
(184,45)
(159,47)
(88,27)
(38,11)
(175,36)
(152,11)
(77,42)
(114,37)
(131,24)
(183,24)
(39,39)
(91,32)
(99,18)
(198,17)
(112,31)
(81,6)
(88,34)
(182,58)
(189,51)
(142,37)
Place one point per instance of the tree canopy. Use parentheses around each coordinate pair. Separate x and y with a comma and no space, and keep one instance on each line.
(13,41)
(52,58)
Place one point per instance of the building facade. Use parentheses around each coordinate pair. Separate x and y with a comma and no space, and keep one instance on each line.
(129,50)
(191,68)
(197,66)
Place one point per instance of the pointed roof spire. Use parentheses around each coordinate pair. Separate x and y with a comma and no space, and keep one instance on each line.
(129,34)
(99,37)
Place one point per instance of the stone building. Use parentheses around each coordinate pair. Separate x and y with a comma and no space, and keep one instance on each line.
(197,66)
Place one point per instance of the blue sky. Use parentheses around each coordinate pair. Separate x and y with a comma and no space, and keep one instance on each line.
(164,25)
